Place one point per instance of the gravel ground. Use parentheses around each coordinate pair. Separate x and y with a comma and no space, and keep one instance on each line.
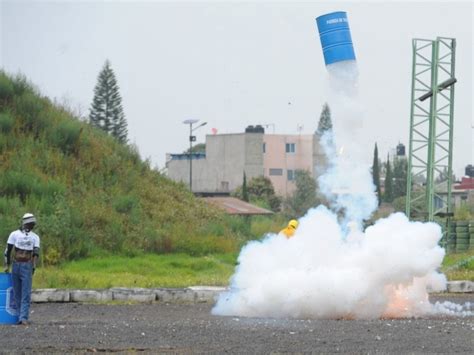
(190,328)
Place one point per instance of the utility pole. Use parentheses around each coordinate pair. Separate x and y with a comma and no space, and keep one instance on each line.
(192,139)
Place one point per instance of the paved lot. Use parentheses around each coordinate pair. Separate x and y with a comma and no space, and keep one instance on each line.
(173,328)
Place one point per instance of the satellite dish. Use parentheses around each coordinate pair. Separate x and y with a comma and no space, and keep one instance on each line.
(191,121)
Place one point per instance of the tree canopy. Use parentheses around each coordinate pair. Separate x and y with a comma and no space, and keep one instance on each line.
(198,148)
(304,196)
(376,174)
(388,194)
(325,122)
(261,192)
(399,177)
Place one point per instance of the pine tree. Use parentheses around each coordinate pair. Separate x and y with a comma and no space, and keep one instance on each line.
(325,123)
(376,174)
(106,111)
(388,195)
(245,193)
(399,177)
(119,125)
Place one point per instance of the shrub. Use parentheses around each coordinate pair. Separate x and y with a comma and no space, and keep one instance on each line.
(151,240)
(213,228)
(125,203)
(262,225)
(6,87)
(49,189)
(14,183)
(462,213)
(21,85)
(11,211)
(6,122)
(65,136)
(239,225)
(66,237)
(114,236)
(31,110)
(51,255)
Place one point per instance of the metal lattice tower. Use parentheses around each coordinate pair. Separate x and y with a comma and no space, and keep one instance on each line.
(431,128)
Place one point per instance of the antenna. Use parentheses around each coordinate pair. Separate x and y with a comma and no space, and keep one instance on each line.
(266,125)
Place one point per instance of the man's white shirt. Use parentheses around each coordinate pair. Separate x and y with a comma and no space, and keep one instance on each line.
(24,240)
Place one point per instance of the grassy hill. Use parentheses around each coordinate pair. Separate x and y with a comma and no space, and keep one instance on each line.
(91,194)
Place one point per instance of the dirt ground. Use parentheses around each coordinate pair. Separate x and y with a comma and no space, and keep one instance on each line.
(174,328)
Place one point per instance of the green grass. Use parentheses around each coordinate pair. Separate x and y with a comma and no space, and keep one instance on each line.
(459,266)
(177,270)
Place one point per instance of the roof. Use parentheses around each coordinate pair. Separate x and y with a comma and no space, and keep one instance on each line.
(185,156)
(467,183)
(234,206)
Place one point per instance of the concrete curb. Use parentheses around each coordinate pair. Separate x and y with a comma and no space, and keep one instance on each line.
(461,286)
(193,294)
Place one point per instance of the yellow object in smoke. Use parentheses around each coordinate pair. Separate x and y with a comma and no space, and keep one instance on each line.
(289,231)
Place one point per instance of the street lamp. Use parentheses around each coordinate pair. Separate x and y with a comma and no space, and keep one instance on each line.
(192,139)
(445,84)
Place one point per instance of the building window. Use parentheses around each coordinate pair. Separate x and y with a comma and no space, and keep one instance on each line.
(264,147)
(275,172)
(290,175)
(438,202)
(290,147)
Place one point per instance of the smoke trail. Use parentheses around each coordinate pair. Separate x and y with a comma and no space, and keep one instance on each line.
(331,268)
(347,183)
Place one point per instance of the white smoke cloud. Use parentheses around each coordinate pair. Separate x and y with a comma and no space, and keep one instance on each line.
(331,267)
(318,273)
(454,309)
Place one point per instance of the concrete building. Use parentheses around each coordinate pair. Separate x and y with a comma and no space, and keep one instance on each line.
(462,193)
(220,169)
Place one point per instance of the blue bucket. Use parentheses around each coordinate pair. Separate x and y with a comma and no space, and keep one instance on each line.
(335,37)
(8,309)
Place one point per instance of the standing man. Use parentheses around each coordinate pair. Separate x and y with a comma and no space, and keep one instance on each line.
(25,244)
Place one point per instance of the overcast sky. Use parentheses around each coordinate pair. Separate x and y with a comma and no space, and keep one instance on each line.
(232,64)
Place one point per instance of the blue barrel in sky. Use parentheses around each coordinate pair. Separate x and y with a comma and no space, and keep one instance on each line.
(8,310)
(335,37)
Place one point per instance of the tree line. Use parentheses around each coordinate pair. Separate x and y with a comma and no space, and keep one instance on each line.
(394,173)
